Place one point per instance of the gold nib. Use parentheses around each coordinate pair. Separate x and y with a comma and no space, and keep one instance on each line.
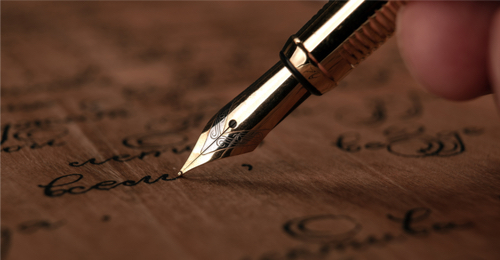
(196,158)
(220,139)
(241,125)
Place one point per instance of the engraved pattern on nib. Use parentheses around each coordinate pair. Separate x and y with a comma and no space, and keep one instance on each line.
(237,138)
(218,125)
(216,130)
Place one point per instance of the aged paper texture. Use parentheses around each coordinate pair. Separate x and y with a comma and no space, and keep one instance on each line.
(102,102)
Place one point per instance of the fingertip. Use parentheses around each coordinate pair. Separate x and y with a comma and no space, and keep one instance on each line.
(445,46)
(495,57)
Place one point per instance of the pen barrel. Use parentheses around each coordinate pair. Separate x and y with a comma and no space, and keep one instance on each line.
(336,39)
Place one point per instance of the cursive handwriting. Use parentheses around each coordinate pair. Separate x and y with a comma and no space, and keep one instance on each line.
(55,187)
(155,143)
(128,157)
(343,237)
(299,228)
(47,132)
(418,215)
(410,142)
(33,138)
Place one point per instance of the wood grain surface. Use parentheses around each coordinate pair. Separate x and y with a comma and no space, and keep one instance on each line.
(102,101)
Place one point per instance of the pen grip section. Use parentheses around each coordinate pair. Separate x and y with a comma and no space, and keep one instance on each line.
(338,38)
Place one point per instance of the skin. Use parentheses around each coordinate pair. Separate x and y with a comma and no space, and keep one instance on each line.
(453,47)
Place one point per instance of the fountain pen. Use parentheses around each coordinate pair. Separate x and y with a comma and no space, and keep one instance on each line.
(313,61)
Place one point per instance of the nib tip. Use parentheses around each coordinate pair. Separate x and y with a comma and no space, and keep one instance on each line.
(180,173)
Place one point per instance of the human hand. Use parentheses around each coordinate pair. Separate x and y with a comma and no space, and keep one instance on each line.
(452,47)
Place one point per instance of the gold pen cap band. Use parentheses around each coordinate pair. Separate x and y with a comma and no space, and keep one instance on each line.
(335,40)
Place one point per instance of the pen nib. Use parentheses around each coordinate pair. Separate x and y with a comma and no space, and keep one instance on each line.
(241,125)
(221,138)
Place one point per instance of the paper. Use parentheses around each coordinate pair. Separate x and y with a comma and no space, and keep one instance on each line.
(102,102)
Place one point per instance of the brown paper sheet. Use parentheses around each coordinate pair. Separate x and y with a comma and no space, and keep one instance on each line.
(102,101)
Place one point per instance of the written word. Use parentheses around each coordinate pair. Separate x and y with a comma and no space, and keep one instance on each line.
(48,132)
(342,238)
(410,142)
(128,157)
(33,138)
(155,143)
(66,184)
